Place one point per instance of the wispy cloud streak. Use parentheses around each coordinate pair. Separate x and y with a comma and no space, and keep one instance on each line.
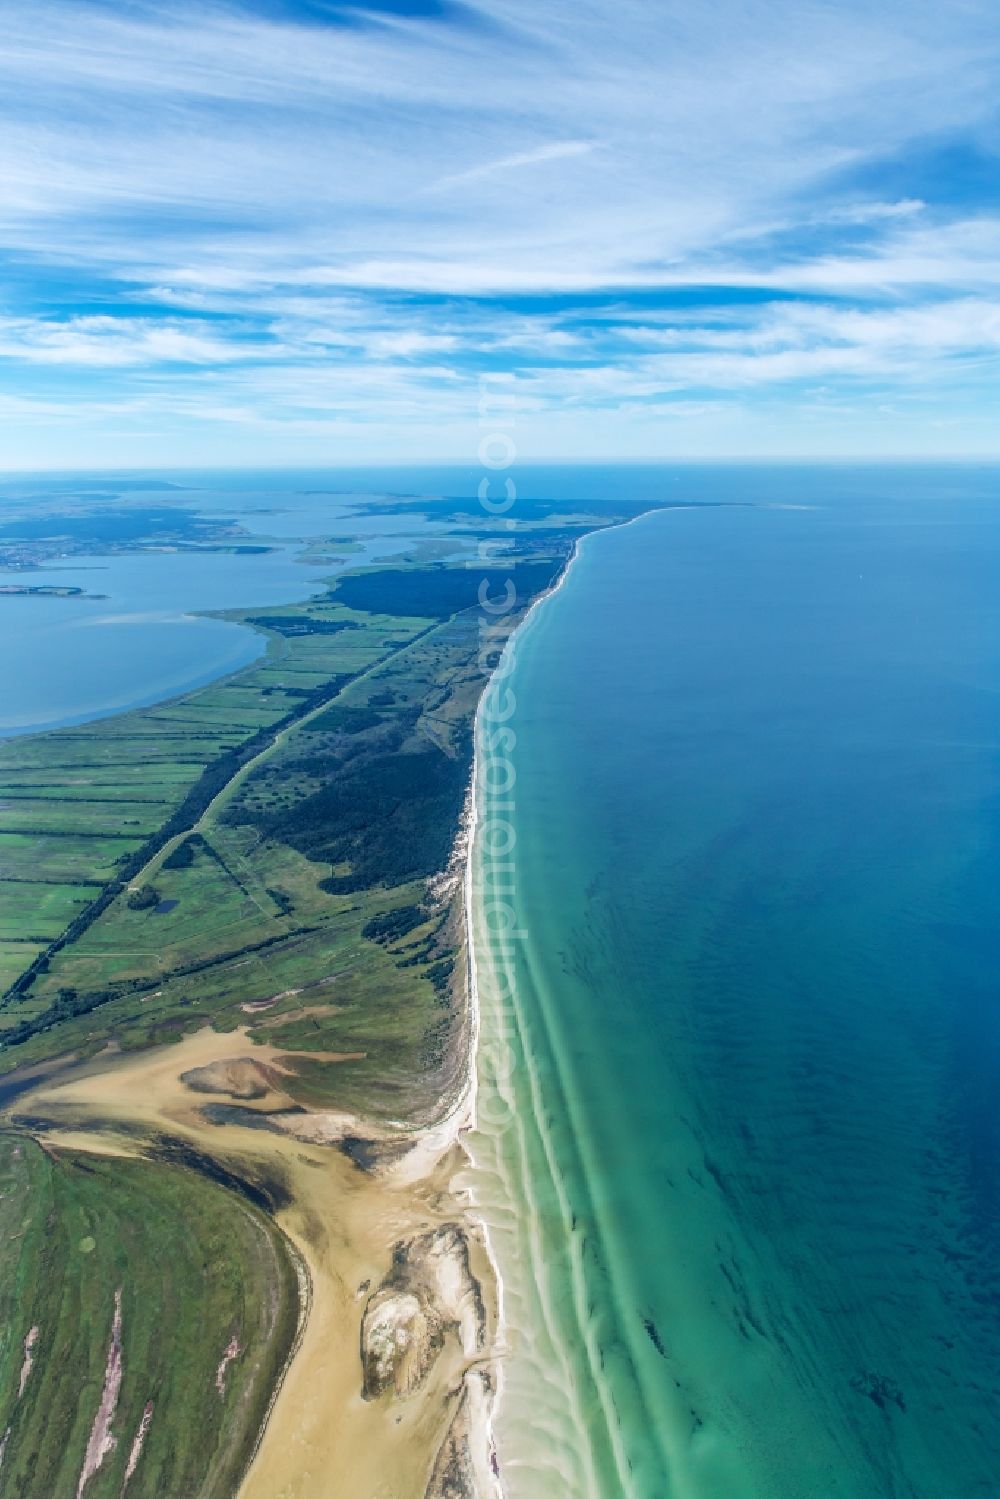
(326,233)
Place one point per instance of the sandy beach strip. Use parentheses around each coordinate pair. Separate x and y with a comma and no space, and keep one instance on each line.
(483,1434)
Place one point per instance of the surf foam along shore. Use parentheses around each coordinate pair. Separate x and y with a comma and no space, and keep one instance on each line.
(484,1384)
(539,1426)
(535,1427)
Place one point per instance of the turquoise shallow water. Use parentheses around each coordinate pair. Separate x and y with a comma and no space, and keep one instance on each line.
(739,1063)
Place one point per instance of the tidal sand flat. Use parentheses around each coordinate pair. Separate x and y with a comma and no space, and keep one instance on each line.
(376,1353)
(736,1148)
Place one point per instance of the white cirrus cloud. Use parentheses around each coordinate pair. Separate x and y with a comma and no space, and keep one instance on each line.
(218,216)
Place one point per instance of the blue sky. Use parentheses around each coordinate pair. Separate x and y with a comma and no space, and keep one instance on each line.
(292,231)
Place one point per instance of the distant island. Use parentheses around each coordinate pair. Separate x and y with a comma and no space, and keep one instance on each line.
(32,540)
(46,591)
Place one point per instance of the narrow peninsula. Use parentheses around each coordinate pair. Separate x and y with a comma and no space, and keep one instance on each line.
(235,1053)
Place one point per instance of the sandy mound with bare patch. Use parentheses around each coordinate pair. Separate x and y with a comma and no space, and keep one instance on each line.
(236,1077)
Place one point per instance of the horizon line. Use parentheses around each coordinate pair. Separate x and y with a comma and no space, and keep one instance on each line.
(700,460)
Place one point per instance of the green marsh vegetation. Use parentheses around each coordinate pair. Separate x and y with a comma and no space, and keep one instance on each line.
(198,1272)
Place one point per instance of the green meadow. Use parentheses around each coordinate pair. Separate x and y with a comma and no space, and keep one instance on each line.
(196,1266)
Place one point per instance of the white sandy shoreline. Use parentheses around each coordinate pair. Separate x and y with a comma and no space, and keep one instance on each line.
(483,1429)
(465,1114)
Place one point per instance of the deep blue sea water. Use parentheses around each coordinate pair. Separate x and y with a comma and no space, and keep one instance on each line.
(740,1078)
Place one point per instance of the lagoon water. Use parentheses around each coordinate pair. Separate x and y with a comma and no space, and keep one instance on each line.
(147,637)
(67,660)
(739,1079)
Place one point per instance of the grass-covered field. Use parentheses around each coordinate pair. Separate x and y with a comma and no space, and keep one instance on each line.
(40,910)
(196,1269)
